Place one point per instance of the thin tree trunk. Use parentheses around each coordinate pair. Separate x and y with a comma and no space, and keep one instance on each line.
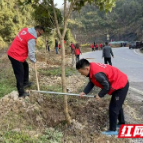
(66,16)
(67,116)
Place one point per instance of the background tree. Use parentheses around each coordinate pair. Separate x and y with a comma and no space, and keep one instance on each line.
(123,23)
(12,19)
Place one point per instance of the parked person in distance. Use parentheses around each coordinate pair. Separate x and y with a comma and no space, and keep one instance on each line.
(92,47)
(106,54)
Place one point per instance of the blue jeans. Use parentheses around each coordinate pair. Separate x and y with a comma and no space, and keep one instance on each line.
(56,50)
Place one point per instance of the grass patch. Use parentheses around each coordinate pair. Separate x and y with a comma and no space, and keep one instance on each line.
(57,71)
(7,80)
(16,137)
(50,136)
(85,49)
(5,88)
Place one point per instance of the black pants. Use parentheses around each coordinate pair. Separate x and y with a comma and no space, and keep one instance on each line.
(77,58)
(21,71)
(115,107)
(107,60)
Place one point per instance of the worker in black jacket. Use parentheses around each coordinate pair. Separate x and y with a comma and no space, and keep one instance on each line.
(107,52)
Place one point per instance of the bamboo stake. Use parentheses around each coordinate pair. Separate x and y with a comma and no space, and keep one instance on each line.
(37,77)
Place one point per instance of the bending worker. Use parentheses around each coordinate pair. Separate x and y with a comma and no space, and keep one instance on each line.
(23,46)
(111,81)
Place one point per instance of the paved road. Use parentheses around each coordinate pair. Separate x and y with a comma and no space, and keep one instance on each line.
(127,61)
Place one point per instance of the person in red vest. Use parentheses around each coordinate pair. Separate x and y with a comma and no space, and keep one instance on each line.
(100,46)
(72,48)
(92,47)
(23,46)
(77,52)
(96,46)
(111,81)
(59,46)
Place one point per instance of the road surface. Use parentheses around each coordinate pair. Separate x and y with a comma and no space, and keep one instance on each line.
(128,61)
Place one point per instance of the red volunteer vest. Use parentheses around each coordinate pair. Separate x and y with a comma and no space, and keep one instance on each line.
(72,46)
(116,78)
(77,51)
(92,46)
(19,47)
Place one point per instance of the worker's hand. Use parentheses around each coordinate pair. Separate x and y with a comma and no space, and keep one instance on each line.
(81,94)
(97,97)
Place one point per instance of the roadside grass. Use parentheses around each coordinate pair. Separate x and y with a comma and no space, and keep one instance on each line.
(7,79)
(86,48)
(49,136)
(57,71)
(16,137)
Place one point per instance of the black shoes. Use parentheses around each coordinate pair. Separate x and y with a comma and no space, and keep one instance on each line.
(24,94)
(28,84)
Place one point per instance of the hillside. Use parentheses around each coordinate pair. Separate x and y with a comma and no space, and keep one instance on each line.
(123,23)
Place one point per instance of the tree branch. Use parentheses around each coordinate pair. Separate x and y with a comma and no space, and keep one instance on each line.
(67,16)
(65,8)
(55,18)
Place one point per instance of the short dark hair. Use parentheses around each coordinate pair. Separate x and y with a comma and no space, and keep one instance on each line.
(77,46)
(106,43)
(82,64)
(39,28)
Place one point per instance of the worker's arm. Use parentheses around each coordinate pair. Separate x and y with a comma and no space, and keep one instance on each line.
(87,89)
(31,50)
(102,79)
(111,52)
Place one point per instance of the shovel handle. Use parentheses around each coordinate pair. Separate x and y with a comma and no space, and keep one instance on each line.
(36,77)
